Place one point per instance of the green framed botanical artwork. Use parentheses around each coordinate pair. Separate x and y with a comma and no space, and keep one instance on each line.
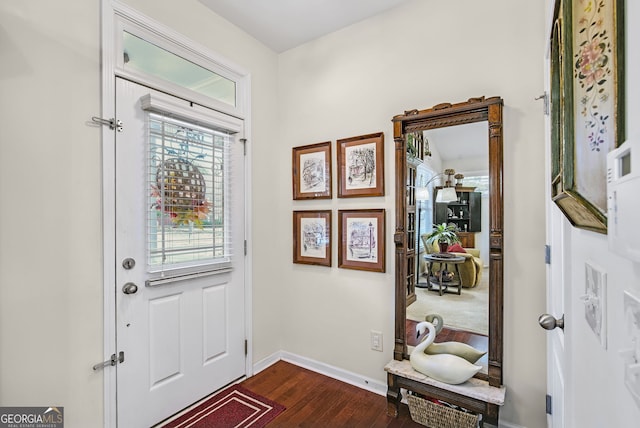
(587,105)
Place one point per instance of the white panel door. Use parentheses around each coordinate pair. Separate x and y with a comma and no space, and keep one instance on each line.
(180,305)
(558,275)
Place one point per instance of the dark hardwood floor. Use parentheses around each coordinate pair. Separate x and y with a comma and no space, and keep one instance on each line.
(314,400)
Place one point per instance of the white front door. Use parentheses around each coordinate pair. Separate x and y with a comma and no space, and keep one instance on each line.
(558,276)
(179,253)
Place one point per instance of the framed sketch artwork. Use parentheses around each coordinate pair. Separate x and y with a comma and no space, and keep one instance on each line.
(312,237)
(361,163)
(361,243)
(312,171)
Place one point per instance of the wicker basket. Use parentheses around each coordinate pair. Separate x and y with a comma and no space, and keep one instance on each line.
(435,415)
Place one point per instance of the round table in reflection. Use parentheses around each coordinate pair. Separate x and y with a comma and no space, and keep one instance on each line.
(445,260)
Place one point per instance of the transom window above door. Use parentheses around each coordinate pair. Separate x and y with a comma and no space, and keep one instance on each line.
(141,56)
(169,62)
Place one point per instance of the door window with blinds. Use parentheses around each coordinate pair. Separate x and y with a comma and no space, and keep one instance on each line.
(188,170)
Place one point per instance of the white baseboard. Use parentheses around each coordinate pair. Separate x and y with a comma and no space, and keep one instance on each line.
(342,375)
(509,425)
(337,373)
(503,424)
(266,362)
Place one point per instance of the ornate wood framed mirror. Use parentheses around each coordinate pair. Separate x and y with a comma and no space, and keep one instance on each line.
(487,111)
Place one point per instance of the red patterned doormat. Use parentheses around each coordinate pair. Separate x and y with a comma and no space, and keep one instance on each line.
(235,407)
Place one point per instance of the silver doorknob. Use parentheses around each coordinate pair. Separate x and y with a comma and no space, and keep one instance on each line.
(549,322)
(129,288)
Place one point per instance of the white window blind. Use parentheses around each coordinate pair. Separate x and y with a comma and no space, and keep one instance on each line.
(188,221)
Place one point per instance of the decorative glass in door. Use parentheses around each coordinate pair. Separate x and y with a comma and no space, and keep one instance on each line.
(186,174)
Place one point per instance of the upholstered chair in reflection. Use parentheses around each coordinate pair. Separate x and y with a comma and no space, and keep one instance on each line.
(470,270)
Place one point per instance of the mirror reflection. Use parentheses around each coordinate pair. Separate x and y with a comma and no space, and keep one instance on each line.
(452,192)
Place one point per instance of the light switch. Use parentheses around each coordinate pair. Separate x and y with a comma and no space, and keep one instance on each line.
(595,302)
(631,353)
(376,340)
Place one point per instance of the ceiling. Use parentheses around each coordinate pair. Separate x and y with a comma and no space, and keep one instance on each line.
(460,142)
(285,24)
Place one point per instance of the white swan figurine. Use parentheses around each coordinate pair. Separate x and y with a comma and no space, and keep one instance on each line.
(460,349)
(446,368)
(436,320)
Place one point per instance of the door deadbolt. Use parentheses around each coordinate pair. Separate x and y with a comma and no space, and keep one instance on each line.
(128,263)
(129,288)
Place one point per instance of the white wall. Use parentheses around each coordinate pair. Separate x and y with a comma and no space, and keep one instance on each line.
(353,82)
(598,397)
(50,209)
(51,317)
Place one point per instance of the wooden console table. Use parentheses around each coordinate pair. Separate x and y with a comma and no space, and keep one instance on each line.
(475,395)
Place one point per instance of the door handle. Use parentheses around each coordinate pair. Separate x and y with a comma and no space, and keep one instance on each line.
(129,288)
(549,322)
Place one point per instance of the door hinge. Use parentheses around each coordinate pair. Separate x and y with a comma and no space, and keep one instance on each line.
(548,405)
(246,347)
(244,145)
(547,254)
(115,359)
(111,123)
(245,247)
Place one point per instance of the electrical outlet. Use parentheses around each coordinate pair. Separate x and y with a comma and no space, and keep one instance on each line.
(376,340)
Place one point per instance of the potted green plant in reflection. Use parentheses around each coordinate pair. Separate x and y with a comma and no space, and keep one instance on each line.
(445,234)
